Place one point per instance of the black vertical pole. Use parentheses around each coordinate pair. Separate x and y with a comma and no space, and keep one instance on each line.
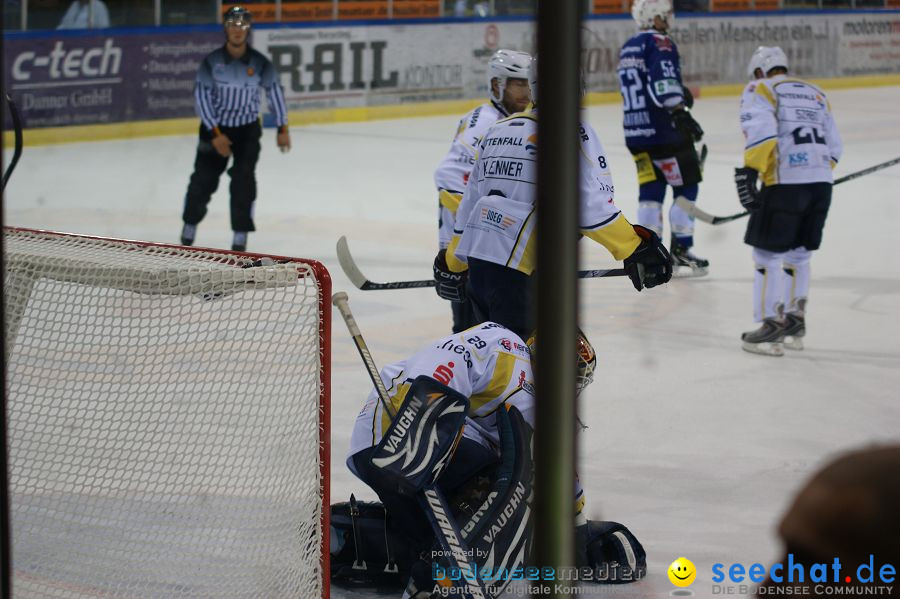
(558,107)
(5,528)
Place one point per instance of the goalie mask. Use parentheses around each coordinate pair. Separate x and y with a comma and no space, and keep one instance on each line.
(586,359)
(503,65)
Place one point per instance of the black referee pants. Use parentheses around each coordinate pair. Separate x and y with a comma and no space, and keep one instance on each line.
(209,166)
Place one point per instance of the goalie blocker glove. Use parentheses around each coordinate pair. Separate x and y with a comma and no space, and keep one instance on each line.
(685,124)
(745,181)
(650,264)
(450,285)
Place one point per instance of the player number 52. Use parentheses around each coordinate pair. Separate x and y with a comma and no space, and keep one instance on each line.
(630,83)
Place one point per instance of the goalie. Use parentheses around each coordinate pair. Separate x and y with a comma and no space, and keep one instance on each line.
(487,480)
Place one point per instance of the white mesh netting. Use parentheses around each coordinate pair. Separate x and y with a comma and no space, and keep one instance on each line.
(165,421)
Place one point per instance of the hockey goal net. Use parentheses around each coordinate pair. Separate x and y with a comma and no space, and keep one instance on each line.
(168,419)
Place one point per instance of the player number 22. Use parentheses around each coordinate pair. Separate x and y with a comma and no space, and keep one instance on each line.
(807,135)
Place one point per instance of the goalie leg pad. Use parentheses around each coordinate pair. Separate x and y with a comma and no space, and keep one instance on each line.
(499,532)
(421,440)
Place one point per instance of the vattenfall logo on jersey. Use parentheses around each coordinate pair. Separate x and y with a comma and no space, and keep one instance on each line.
(789,577)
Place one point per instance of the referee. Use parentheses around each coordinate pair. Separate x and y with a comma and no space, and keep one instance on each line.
(227,101)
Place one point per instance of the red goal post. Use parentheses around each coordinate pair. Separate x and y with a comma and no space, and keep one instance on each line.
(168,416)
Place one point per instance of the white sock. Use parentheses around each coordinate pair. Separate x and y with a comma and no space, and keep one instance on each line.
(767,280)
(650,216)
(682,223)
(796,278)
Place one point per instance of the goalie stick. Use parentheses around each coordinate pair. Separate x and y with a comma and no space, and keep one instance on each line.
(360,281)
(455,549)
(17,152)
(701,215)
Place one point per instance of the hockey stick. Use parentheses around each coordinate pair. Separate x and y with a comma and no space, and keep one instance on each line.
(17,153)
(703,216)
(341,302)
(691,208)
(360,281)
(433,501)
(866,171)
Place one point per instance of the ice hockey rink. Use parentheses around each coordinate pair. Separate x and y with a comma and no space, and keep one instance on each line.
(694,444)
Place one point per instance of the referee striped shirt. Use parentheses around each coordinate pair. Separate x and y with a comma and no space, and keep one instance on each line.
(227,89)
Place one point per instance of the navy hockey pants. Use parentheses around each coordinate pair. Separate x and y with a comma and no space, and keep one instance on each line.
(502,295)
(791,216)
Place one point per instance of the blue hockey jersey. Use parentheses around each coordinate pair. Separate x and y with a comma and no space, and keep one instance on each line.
(650,81)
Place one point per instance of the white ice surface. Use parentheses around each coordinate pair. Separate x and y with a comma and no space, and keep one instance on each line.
(696,445)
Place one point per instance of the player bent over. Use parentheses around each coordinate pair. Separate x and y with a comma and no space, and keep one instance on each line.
(488,478)
(509,94)
(493,243)
(659,129)
(792,146)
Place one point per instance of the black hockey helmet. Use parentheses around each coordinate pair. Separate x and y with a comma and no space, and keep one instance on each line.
(237,16)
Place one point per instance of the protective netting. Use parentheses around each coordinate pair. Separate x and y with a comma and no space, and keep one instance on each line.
(165,420)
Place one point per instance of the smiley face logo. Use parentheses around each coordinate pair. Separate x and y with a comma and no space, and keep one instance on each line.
(682,572)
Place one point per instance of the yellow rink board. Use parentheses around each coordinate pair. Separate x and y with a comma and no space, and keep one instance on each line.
(78,133)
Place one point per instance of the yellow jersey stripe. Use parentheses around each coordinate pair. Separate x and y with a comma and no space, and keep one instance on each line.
(449,200)
(500,380)
(764,91)
(618,237)
(763,157)
(523,232)
(454,263)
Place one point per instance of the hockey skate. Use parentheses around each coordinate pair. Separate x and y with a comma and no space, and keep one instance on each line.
(685,264)
(767,340)
(794,325)
(794,330)
(239,241)
(187,234)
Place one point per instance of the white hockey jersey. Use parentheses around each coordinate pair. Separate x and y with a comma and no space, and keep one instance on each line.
(496,218)
(452,173)
(790,132)
(488,363)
